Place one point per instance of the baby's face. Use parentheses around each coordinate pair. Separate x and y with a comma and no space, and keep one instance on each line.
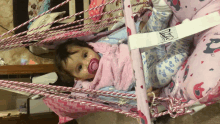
(77,64)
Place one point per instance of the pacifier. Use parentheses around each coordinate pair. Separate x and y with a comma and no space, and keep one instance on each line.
(93,65)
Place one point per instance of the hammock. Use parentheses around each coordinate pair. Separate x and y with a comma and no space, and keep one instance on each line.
(69,107)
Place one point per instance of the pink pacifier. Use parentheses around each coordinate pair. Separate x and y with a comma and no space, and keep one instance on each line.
(93,65)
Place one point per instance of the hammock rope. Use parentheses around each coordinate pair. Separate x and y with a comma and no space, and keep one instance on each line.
(7,42)
(51,22)
(66,29)
(38,36)
(71,89)
(175,105)
(34,18)
(47,95)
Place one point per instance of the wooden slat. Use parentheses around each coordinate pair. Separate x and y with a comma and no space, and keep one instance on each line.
(26,69)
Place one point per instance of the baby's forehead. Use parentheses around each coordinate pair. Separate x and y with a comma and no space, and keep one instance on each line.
(70,62)
(73,48)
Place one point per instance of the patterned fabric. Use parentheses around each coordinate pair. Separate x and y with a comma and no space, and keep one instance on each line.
(116,5)
(198,78)
(182,9)
(161,6)
(68,110)
(34,7)
(37,7)
(112,99)
(94,3)
(151,57)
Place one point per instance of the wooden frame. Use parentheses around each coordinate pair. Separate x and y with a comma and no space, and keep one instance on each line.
(26,69)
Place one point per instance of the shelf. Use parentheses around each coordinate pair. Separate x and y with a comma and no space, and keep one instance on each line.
(26,69)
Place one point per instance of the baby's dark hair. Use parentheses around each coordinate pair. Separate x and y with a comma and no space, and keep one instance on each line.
(62,54)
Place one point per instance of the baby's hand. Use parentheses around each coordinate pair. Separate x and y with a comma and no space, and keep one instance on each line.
(160,5)
(156,92)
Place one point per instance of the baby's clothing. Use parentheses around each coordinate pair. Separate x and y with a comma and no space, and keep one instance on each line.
(114,66)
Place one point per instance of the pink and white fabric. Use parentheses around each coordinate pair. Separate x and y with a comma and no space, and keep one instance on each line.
(94,3)
(198,78)
(142,100)
(68,110)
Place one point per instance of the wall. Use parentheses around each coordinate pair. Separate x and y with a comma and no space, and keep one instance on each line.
(8,99)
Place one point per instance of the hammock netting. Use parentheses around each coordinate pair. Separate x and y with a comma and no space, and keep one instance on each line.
(80,104)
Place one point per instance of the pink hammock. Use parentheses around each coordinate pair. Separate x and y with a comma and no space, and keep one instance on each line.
(69,107)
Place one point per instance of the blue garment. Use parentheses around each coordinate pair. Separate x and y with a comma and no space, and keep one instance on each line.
(158,21)
(160,65)
(45,6)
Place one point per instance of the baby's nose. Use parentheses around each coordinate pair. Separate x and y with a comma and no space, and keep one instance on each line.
(86,62)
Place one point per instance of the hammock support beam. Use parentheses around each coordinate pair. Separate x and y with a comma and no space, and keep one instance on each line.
(142,100)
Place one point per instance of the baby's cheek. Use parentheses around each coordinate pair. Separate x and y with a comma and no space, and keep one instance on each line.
(91,56)
(85,74)
(85,71)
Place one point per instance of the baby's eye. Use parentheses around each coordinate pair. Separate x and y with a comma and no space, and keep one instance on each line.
(85,55)
(80,68)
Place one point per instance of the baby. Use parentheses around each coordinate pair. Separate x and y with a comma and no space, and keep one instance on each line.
(98,64)
(105,65)
(77,60)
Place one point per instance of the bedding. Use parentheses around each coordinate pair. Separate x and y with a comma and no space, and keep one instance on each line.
(197,81)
